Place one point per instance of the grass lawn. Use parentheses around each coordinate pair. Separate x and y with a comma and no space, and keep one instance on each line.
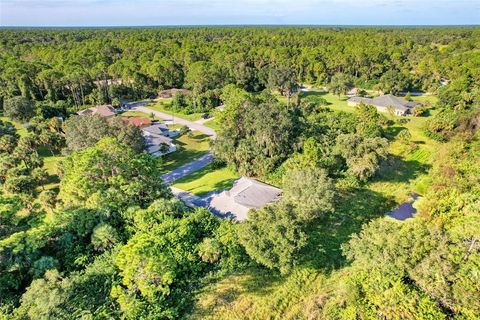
(162,106)
(213,124)
(431,99)
(406,169)
(208,179)
(336,103)
(189,147)
(139,114)
(50,164)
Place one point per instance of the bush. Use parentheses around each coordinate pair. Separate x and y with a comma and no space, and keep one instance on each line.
(418,111)
(19,108)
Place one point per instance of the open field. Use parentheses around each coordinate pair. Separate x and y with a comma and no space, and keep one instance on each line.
(190,146)
(208,179)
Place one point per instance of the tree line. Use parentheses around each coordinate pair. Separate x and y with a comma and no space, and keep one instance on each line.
(59,68)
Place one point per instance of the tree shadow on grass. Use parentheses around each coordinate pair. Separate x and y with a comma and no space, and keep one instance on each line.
(392,132)
(326,235)
(179,158)
(395,169)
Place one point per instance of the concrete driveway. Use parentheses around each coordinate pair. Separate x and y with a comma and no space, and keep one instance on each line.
(192,125)
(189,168)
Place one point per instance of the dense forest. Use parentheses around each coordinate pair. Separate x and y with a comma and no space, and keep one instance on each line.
(88,230)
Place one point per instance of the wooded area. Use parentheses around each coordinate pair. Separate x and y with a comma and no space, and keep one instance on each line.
(89,230)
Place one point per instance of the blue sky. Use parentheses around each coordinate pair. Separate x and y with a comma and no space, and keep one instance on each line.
(202,12)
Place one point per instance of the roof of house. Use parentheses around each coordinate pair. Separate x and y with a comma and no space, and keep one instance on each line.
(157,140)
(139,122)
(386,101)
(157,129)
(245,194)
(169,93)
(104,111)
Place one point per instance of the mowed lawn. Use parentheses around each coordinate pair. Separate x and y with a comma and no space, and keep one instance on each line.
(163,106)
(212,124)
(336,103)
(139,114)
(208,179)
(190,146)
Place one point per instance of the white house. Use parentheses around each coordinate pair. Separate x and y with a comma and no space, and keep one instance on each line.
(245,194)
(157,139)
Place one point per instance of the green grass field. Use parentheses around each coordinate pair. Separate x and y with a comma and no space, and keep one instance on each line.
(189,147)
(208,179)
(213,124)
(163,106)
(139,114)
(336,103)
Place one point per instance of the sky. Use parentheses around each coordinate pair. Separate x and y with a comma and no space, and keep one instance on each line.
(234,12)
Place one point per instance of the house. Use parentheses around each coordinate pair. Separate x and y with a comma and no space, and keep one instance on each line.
(401,107)
(159,145)
(158,139)
(170,93)
(160,129)
(245,194)
(106,111)
(352,92)
(138,122)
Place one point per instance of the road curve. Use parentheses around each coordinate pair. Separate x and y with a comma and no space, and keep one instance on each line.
(192,125)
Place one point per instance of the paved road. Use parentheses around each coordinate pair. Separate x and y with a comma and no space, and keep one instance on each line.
(192,125)
(176,174)
(187,169)
(190,199)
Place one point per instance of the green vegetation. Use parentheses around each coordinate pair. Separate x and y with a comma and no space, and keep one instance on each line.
(207,179)
(164,105)
(139,114)
(88,229)
(213,124)
(190,146)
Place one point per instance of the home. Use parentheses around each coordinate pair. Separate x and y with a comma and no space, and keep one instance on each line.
(160,128)
(138,122)
(170,93)
(158,139)
(245,194)
(159,145)
(400,107)
(106,111)
(352,92)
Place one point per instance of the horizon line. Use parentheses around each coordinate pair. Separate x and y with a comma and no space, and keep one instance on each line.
(240,25)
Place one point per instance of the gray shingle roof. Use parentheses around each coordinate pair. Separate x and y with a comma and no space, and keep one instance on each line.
(246,194)
(387,100)
(157,129)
